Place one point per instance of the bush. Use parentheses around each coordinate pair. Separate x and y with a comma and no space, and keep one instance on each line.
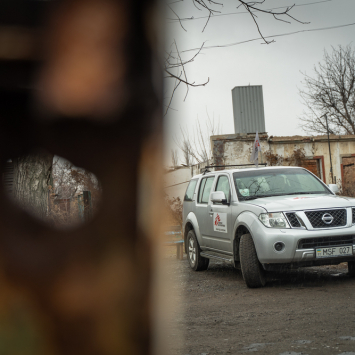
(174,206)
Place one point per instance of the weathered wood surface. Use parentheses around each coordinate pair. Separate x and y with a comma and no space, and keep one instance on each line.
(31,177)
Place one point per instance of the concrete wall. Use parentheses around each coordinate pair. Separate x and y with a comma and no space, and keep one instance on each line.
(236,149)
(317,146)
(176,182)
(198,168)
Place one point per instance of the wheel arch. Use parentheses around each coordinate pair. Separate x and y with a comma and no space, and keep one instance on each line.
(240,230)
(242,225)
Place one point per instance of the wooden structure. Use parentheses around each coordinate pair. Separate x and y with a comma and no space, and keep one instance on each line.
(80,79)
(174,238)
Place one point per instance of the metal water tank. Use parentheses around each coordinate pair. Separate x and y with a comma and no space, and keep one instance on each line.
(248,109)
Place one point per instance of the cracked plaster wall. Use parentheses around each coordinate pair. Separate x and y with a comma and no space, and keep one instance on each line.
(238,151)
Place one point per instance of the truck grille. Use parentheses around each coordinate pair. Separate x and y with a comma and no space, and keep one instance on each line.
(353,210)
(315,217)
(295,223)
(309,243)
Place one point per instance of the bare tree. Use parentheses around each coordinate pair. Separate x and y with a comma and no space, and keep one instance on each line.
(185,147)
(195,144)
(173,61)
(174,158)
(174,66)
(253,7)
(331,91)
(32,175)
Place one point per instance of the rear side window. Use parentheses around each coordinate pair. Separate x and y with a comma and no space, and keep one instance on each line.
(205,189)
(200,190)
(190,190)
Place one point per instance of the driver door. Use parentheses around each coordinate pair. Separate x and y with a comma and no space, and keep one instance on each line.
(220,222)
(202,208)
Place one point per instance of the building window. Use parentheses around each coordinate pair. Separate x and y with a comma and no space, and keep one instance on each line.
(314,166)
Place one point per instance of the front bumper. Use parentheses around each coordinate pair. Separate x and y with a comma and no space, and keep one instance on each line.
(265,239)
(302,255)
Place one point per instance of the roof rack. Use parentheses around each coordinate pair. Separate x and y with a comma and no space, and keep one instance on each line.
(226,166)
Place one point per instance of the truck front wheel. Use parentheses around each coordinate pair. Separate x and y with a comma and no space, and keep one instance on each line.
(253,273)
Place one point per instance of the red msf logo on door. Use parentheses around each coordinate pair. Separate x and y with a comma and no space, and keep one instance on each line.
(217,220)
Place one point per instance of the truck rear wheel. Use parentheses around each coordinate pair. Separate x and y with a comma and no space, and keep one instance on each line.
(253,273)
(196,261)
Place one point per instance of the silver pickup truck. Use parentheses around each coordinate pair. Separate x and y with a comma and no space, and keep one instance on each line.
(267,219)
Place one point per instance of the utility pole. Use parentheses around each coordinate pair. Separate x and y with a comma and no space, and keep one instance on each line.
(330,154)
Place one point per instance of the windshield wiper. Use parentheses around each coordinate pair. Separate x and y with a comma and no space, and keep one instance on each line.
(257,196)
(247,198)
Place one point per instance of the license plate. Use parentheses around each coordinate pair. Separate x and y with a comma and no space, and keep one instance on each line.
(334,252)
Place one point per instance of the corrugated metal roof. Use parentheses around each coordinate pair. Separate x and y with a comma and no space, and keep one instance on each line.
(248,109)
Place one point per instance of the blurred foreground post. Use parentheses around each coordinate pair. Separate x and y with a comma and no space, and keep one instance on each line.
(76,80)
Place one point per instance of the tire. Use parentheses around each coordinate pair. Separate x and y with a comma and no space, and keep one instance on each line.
(196,261)
(253,273)
(351,268)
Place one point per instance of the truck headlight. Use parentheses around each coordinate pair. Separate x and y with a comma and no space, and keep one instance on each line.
(274,220)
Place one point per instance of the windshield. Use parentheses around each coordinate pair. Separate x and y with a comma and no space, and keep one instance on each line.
(276,182)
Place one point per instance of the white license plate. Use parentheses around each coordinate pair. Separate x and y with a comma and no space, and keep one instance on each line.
(334,252)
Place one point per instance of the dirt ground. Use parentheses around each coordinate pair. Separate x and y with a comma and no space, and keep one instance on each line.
(306,311)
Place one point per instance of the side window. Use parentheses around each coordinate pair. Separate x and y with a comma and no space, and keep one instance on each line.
(205,193)
(190,190)
(223,185)
(200,190)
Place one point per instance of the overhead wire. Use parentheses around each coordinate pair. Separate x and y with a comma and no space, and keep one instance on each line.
(244,12)
(271,36)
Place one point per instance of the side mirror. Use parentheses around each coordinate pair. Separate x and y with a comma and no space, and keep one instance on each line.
(218,197)
(334,188)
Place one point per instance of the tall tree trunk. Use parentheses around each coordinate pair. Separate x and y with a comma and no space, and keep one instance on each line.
(31,180)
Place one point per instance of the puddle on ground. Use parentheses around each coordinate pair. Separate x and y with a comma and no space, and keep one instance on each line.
(254,347)
(347,338)
(303,341)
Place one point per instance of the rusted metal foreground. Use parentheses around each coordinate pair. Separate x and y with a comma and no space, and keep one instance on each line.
(76,79)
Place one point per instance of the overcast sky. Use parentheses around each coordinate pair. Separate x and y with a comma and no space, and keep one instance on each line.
(277,66)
